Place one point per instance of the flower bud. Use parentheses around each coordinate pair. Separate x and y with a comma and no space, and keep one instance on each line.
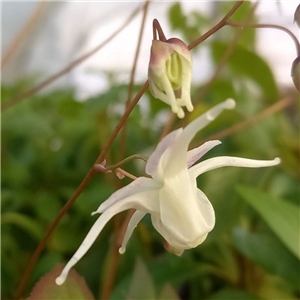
(296,72)
(170,68)
(297,16)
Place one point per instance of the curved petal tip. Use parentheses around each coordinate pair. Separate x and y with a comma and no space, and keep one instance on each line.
(59,280)
(230,103)
(122,250)
(277,160)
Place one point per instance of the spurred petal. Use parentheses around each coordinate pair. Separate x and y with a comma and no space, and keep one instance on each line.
(153,161)
(187,226)
(229,161)
(141,184)
(135,219)
(146,201)
(177,158)
(196,153)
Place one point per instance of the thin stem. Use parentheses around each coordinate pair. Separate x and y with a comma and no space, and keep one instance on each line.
(108,283)
(157,28)
(227,54)
(24,32)
(217,27)
(40,86)
(248,25)
(250,121)
(131,82)
(123,172)
(79,190)
(127,159)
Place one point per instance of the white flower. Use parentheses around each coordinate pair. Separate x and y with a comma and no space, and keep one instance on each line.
(170,68)
(180,211)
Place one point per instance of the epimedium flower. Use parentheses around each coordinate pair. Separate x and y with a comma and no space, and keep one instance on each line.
(180,211)
(170,69)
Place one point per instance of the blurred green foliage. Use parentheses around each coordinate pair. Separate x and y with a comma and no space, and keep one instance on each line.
(50,141)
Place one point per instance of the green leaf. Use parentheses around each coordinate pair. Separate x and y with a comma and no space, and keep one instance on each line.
(176,17)
(168,293)
(231,294)
(244,63)
(282,216)
(74,288)
(26,223)
(142,286)
(267,251)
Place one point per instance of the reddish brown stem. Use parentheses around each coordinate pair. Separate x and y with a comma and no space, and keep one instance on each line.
(108,283)
(227,54)
(217,27)
(131,82)
(157,28)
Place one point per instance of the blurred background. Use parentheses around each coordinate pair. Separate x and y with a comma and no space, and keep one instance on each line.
(51,139)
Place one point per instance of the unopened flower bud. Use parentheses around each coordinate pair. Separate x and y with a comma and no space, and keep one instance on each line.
(296,72)
(297,16)
(170,68)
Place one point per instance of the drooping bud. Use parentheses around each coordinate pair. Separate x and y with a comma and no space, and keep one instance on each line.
(296,72)
(170,74)
(297,16)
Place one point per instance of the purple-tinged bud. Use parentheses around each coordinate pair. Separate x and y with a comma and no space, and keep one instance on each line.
(297,16)
(170,68)
(296,72)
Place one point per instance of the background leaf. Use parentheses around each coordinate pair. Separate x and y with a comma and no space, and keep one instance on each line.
(249,65)
(74,287)
(280,215)
(142,286)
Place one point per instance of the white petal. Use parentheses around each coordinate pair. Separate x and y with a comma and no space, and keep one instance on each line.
(155,89)
(228,161)
(164,144)
(196,153)
(147,201)
(186,84)
(181,213)
(181,237)
(170,94)
(177,160)
(135,219)
(141,184)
